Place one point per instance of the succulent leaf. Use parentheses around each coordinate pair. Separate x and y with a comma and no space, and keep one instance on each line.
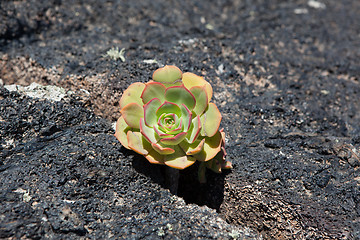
(167,74)
(136,142)
(160,133)
(212,146)
(192,148)
(147,132)
(178,138)
(201,97)
(153,90)
(214,165)
(154,157)
(194,130)
(121,130)
(180,95)
(211,120)
(132,113)
(178,159)
(175,131)
(149,110)
(190,80)
(186,116)
(226,165)
(132,94)
(168,107)
(162,150)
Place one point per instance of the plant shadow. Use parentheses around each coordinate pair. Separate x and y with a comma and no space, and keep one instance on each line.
(210,194)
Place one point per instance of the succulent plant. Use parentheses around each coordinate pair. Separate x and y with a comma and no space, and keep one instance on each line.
(170,120)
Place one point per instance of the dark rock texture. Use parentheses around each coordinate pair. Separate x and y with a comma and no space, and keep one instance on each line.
(63,176)
(286,79)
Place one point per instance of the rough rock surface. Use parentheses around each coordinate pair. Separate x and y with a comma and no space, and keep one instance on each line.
(63,176)
(36,90)
(285,77)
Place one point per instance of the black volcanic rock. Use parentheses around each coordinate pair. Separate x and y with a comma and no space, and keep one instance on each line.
(285,76)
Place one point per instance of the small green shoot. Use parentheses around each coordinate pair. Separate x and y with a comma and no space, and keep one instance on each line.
(115,54)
